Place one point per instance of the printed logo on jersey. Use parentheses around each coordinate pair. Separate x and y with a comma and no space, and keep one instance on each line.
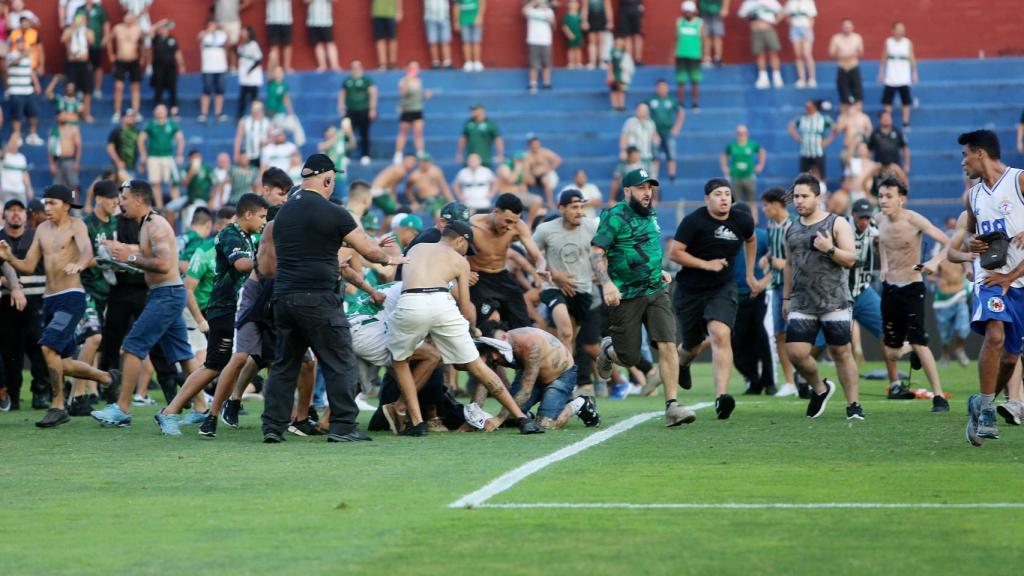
(486,309)
(723,233)
(1005,207)
(995,304)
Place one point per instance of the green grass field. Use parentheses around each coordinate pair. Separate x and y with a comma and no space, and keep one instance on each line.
(82,499)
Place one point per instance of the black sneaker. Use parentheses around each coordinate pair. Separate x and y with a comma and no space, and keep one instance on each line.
(771,390)
(79,406)
(939,404)
(417,430)
(272,438)
(752,390)
(304,428)
(899,391)
(54,417)
(312,416)
(229,414)
(685,380)
(40,401)
(93,399)
(529,426)
(915,361)
(353,436)
(854,412)
(724,405)
(111,391)
(209,426)
(816,407)
(588,413)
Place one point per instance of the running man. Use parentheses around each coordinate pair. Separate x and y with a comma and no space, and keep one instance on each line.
(903,290)
(773,202)
(161,322)
(706,299)
(426,306)
(993,204)
(626,255)
(62,242)
(816,296)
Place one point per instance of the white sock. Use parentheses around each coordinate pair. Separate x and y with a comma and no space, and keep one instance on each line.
(576,404)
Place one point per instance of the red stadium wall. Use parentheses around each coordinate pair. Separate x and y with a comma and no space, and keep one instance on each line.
(991,26)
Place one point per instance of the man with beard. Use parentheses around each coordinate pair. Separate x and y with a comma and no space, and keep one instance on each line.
(626,256)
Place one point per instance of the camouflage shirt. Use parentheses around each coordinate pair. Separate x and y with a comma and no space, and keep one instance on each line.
(231,245)
(633,245)
(92,278)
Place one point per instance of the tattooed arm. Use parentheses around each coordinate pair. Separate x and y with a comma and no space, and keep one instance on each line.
(160,261)
(531,369)
(599,262)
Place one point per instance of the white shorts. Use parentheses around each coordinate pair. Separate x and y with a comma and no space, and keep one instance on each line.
(436,314)
(370,340)
(196,339)
(232,29)
(161,169)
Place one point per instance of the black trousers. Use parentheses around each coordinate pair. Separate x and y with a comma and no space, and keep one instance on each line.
(849,85)
(433,394)
(246,96)
(19,337)
(165,81)
(361,126)
(751,351)
(311,320)
(124,305)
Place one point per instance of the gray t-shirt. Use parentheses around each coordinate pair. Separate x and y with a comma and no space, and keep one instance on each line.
(225,11)
(820,285)
(567,250)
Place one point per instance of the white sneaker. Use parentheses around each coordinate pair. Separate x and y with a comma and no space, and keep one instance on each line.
(363,405)
(138,400)
(788,389)
(467,67)
(33,139)
(777,80)
(479,67)
(1011,411)
(397,158)
(800,84)
(97,95)
(475,415)
(364,161)
(812,83)
(762,81)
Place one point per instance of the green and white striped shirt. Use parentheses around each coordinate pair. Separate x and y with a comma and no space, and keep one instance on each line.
(19,75)
(319,14)
(279,12)
(813,130)
(777,245)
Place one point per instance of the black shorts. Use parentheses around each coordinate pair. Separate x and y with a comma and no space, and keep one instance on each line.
(695,308)
(220,342)
(578,305)
(320,34)
(500,292)
(279,34)
(598,21)
(127,71)
(889,94)
(596,322)
(808,162)
(410,116)
(384,29)
(903,315)
(81,74)
(96,56)
(631,24)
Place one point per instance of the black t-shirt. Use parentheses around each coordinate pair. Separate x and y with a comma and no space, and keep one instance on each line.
(711,239)
(164,50)
(887,147)
(431,235)
(128,231)
(308,232)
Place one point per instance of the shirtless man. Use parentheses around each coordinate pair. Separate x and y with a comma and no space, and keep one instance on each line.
(540,169)
(903,289)
(161,321)
(426,307)
(384,188)
(847,47)
(63,244)
(427,190)
(494,288)
(545,375)
(124,51)
(67,156)
(856,127)
(952,315)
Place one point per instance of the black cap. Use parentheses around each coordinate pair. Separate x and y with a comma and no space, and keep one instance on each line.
(318,164)
(61,192)
(466,231)
(862,208)
(568,196)
(105,189)
(13,202)
(35,205)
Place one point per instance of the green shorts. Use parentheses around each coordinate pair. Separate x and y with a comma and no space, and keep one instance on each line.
(688,70)
(386,203)
(433,205)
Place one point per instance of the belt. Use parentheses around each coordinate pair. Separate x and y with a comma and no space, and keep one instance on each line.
(366,320)
(424,290)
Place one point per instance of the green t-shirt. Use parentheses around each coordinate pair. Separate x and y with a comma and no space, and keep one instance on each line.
(241,178)
(64,103)
(160,138)
(710,6)
(480,137)
(126,143)
(468,10)
(617,56)
(338,150)
(201,184)
(742,159)
(95,18)
(276,92)
(357,93)
(663,112)
(688,39)
(188,243)
(572,21)
(384,8)
(633,246)
(92,278)
(363,305)
(203,267)
(231,245)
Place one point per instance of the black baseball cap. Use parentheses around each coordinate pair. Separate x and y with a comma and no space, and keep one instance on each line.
(318,164)
(466,231)
(455,211)
(35,205)
(862,208)
(13,202)
(105,189)
(568,196)
(61,192)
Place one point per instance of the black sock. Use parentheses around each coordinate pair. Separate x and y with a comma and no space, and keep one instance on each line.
(669,403)
(644,365)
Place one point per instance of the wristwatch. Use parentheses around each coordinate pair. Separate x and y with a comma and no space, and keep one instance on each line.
(831,251)
(134,257)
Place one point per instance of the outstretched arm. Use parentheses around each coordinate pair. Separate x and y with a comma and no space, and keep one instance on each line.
(370,250)
(31,260)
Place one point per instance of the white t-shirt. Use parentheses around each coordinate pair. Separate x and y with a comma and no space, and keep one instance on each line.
(897,63)
(249,54)
(640,133)
(12,175)
(70,7)
(278,155)
(476,186)
(538,26)
(214,54)
(801,12)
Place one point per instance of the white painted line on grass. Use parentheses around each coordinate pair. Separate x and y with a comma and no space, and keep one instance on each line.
(510,479)
(765,505)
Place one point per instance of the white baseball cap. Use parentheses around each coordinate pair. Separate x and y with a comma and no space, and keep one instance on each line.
(689,6)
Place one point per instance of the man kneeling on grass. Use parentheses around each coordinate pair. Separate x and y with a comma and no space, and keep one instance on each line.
(545,374)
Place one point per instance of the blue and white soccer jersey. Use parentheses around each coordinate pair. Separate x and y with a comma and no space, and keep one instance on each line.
(1000,208)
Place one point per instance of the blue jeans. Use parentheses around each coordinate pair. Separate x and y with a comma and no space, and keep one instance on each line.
(953,321)
(161,322)
(867,311)
(552,398)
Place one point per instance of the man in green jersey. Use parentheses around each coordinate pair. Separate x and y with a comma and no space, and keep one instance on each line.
(469,22)
(668,117)
(713,13)
(480,135)
(741,161)
(101,225)
(689,48)
(626,256)
(97,21)
(161,149)
(357,101)
(198,183)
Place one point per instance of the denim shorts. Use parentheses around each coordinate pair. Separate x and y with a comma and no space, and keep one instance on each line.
(61,313)
(21,107)
(778,321)
(798,33)
(952,321)
(438,31)
(161,322)
(552,398)
(472,34)
(213,84)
